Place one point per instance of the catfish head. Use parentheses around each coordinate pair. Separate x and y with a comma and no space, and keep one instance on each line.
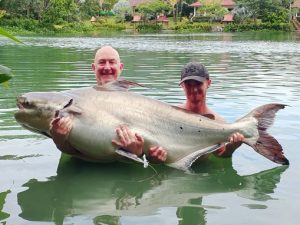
(37,109)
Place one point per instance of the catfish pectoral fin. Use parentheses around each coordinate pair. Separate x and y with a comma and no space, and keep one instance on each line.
(186,162)
(129,155)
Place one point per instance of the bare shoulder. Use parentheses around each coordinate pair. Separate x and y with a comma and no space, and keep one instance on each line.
(217,116)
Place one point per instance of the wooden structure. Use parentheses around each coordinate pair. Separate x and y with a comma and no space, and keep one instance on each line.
(195,5)
(136,19)
(296,24)
(93,19)
(229,4)
(228,18)
(162,19)
(295,6)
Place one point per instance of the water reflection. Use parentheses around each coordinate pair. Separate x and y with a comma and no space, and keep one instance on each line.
(3,215)
(105,193)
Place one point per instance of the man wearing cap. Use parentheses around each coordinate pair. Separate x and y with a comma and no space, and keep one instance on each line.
(195,82)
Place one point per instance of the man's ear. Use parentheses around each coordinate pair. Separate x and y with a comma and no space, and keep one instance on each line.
(121,66)
(208,83)
(93,66)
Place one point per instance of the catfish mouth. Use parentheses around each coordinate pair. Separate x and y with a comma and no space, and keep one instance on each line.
(20,106)
(23,104)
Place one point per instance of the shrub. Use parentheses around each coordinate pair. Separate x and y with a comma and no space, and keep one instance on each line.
(148,28)
(198,27)
(25,24)
(201,19)
(262,26)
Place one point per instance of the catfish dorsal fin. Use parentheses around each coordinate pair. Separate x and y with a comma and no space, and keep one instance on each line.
(68,108)
(118,85)
(210,116)
(186,162)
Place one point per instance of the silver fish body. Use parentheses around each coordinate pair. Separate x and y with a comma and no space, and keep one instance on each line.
(98,111)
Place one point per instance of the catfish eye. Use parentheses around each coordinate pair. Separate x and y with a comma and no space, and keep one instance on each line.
(27,104)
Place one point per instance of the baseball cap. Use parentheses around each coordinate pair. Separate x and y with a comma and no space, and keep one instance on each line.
(194,71)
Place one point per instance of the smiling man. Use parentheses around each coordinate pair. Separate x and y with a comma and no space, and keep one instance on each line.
(107,65)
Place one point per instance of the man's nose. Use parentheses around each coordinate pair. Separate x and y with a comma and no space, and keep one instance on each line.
(107,66)
(194,89)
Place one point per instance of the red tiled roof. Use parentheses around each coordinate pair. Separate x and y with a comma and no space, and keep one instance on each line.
(228,3)
(133,3)
(196,4)
(296,4)
(228,18)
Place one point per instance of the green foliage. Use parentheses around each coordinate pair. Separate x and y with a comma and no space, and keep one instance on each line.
(280,15)
(112,26)
(3,196)
(5,34)
(84,27)
(149,28)
(194,27)
(105,13)
(52,11)
(241,14)
(266,10)
(255,27)
(213,10)
(107,4)
(201,19)
(89,8)
(60,11)
(122,8)
(25,8)
(154,7)
(5,74)
(25,24)
(2,13)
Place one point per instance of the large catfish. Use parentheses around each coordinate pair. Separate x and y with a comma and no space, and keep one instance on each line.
(98,111)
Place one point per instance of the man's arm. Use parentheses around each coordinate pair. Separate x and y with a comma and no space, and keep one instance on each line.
(59,130)
(235,141)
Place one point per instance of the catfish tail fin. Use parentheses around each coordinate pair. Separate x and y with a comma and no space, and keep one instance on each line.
(265,144)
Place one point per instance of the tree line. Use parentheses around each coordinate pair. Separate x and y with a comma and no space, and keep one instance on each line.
(36,15)
(54,11)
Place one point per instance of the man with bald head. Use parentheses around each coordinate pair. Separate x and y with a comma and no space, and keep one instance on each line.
(107,67)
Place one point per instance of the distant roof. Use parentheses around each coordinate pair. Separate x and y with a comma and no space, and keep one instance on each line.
(228,18)
(296,4)
(133,3)
(224,3)
(228,3)
(196,4)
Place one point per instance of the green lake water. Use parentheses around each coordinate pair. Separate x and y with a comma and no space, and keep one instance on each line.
(40,186)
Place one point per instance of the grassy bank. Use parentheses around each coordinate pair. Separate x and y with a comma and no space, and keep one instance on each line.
(111,25)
